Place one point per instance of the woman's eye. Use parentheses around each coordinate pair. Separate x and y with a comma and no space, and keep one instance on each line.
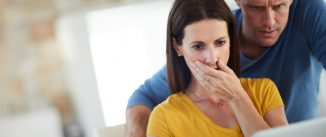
(220,42)
(198,46)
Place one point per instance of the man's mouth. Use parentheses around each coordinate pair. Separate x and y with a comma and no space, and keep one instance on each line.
(268,33)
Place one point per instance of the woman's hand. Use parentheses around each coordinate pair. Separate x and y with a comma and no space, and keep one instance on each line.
(223,82)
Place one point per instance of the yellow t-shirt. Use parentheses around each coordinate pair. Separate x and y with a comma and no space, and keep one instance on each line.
(178,116)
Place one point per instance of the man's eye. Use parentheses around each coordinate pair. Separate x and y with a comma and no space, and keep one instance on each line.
(278,7)
(256,8)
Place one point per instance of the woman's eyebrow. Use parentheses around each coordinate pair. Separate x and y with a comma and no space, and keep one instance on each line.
(221,38)
(200,42)
(197,42)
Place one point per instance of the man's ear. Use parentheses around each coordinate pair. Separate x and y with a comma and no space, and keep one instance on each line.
(176,47)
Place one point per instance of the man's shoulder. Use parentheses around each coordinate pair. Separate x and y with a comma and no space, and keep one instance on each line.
(237,12)
(302,6)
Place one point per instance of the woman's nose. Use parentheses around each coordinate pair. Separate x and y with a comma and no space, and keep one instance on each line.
(211,57)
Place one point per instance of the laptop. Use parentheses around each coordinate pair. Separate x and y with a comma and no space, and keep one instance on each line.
(309,128)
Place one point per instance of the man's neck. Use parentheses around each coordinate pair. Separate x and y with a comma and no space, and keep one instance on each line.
(249,48)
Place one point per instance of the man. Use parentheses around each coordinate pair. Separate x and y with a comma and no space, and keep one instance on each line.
(284,40)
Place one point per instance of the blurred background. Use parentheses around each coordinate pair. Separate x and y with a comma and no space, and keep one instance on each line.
(68,67)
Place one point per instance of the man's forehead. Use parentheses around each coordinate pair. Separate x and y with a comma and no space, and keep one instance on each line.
(260,2)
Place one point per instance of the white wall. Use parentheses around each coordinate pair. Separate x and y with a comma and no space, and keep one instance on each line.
(39,123)
(74,41)
(128,46)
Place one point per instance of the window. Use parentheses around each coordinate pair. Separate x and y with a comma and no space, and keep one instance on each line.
(127,46)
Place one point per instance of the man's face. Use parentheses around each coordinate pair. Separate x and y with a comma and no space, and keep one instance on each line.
(264,20)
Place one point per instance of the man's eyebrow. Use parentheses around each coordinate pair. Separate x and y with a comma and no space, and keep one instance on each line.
(280,2)
(263,4)
(254,4)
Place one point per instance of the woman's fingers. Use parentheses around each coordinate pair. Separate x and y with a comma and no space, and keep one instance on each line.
(206,77)
(206,70)
(222,66)
(220,82)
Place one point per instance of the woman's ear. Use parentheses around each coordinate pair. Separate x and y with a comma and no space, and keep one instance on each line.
(177,47)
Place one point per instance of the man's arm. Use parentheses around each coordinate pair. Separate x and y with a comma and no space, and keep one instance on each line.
(143,100)
(137,119)
(315,28)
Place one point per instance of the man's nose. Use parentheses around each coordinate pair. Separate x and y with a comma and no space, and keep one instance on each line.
(268,19)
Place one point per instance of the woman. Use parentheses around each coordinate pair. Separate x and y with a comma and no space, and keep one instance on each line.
(209,99)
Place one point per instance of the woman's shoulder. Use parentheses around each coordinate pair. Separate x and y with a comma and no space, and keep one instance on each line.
(175,106)
(173,101)
(256,82)
(263,93)
(258,87)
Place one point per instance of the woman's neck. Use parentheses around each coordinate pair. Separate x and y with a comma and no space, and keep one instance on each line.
(216,110)
(198,93)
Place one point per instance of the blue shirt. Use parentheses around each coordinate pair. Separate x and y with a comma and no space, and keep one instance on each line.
(294,63)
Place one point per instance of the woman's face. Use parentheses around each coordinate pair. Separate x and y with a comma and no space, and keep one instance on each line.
(205,41)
